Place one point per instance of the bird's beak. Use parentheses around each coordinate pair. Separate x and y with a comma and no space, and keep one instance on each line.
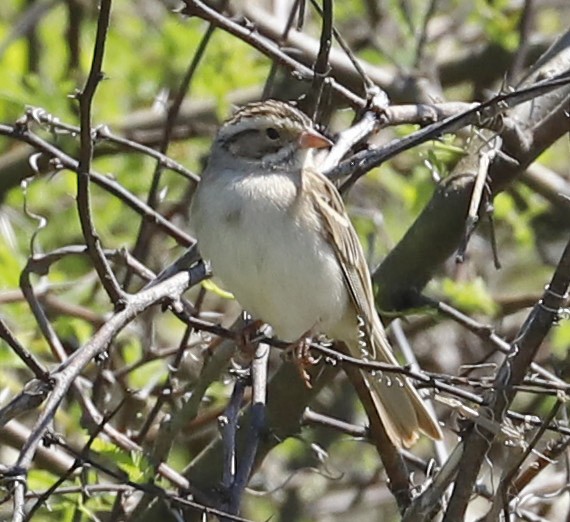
(311,139)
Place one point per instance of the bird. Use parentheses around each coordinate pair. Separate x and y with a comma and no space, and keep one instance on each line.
(276,232)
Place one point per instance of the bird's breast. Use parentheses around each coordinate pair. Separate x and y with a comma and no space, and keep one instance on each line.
(265,243)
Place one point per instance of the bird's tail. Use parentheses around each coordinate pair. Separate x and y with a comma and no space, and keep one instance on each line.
(400,408)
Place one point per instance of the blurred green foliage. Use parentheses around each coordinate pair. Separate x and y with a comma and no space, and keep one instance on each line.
(148,50)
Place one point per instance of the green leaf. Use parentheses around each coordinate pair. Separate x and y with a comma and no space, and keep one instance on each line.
(135,464)
(472,296)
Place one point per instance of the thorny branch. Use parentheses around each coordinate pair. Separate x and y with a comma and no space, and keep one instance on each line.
(481,403)
(85,97)
(523,350)
(68,372)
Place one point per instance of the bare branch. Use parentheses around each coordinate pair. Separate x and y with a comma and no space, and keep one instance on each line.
(512,371)
(85,98)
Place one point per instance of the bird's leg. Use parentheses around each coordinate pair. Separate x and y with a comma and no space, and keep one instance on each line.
(300,351)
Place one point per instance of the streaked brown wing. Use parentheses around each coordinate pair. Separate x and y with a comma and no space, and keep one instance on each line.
(345,243)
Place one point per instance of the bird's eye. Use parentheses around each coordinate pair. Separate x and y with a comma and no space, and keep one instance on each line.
(272,133)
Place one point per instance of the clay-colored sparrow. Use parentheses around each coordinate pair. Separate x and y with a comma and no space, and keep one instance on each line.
(277,234)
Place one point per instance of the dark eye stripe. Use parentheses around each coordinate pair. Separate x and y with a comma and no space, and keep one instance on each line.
(242,134)
(250,144)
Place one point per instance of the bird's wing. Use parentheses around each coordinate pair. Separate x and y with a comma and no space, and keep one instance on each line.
(345,243)
(398,404)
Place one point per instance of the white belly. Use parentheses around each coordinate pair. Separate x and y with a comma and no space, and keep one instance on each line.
(279,271)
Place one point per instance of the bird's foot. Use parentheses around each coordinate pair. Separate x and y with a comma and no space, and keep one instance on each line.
(300,353)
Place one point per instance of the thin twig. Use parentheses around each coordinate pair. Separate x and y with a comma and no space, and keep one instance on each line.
(422,38)
(20,131)
(322,68)
(78,462)
(141,248)
(256,428)
(85,97)
(104,133)
(511,372)
(197,8)
(66,374)
(363,162)
(228,426)
(505,485)
(485,159)
(27,358)
(525,27)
